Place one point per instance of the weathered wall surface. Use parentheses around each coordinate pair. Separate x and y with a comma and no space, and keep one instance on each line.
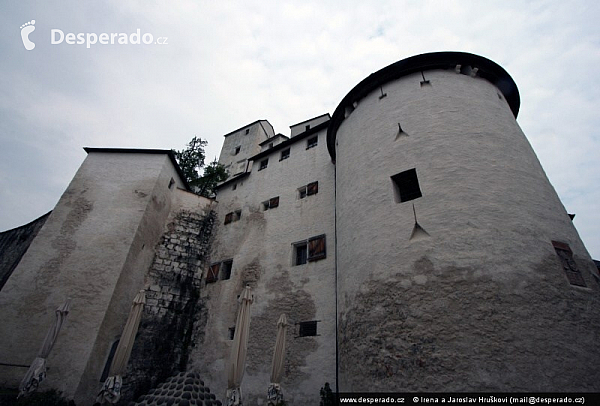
(248,145)
(483,302)
(174,314)
(95,248)
(260,245)
(13,245)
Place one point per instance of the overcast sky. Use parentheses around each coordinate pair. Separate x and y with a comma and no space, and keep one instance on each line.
(227,64)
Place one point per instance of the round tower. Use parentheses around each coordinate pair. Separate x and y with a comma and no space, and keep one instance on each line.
(458,267)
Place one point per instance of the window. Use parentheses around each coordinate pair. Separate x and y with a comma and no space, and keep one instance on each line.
(570,267)
(213,273)
(263,164)
(285,154)
(308,190)
(271,203)
(233,216)
(171,183)
(270,145)
(301,251)
(310,250)
(226,270)
(219,271)
(234,187)
(406,186)
(237,150)
(307,127)
(307,328)
(247,131)
(312,142)
(231,332)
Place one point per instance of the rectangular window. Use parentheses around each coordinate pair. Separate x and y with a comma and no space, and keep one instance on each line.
(308,190)
(228,218)
(237,150)
(312,142)
(247,131)
(213,273)
(406,186)
(263,164)
(570,267)
(285,154)
(271,203)
(307,328)
(311,250)
(233,216)
(226,270)
(231,332)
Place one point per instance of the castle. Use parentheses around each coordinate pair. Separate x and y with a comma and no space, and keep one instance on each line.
(411,238)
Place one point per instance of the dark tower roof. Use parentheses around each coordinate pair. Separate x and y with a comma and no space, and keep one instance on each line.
(438,60)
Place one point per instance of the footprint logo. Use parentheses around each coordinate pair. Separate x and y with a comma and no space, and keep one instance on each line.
(27,29)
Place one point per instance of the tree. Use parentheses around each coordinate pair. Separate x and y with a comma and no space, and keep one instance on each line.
(191,162)
(214,174)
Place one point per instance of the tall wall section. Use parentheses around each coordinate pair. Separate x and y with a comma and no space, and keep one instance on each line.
(260,244)
(95,248)
(476,298)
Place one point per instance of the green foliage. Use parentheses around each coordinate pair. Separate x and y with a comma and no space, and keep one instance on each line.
(214,174)
(191,162)
(48,398)
(327,398)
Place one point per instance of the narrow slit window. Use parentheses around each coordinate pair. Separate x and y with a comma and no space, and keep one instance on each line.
(171,183)
(231,332)
(237,150)
(406,186)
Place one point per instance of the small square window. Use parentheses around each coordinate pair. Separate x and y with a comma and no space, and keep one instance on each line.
(285,154)
(237,150)
(226,270)
(307,127)
(263,164)
(406,186)
(307,328)
(300,253)
(312,142)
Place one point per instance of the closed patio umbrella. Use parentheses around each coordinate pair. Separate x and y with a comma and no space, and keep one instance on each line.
(237,359)
(37,371)
(111,390)
(274,393)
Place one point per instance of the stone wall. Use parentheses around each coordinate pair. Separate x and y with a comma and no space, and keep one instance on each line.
(174,314)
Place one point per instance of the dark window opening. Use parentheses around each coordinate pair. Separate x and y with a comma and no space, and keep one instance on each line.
(308,190)
(171,183)
(247,131)
(307,127)
(312,142)
(285,154)
(226,269)
(301,254)
(263,164)
(231,332)
(307,329)
(270,145)
(570,267)
(271,203)
(234,187)
(228,218)
(406,186)
(237,150)
(302,192)
(238,215)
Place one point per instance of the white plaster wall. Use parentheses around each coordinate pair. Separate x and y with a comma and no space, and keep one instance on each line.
(248,143)
(95,248)
(491,214)
(260,244)
(301,127)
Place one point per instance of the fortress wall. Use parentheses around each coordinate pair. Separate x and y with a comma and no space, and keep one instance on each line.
(482,302)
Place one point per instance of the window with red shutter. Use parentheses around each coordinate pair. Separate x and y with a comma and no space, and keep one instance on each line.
(213,273)
(316,248)
(312,188)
